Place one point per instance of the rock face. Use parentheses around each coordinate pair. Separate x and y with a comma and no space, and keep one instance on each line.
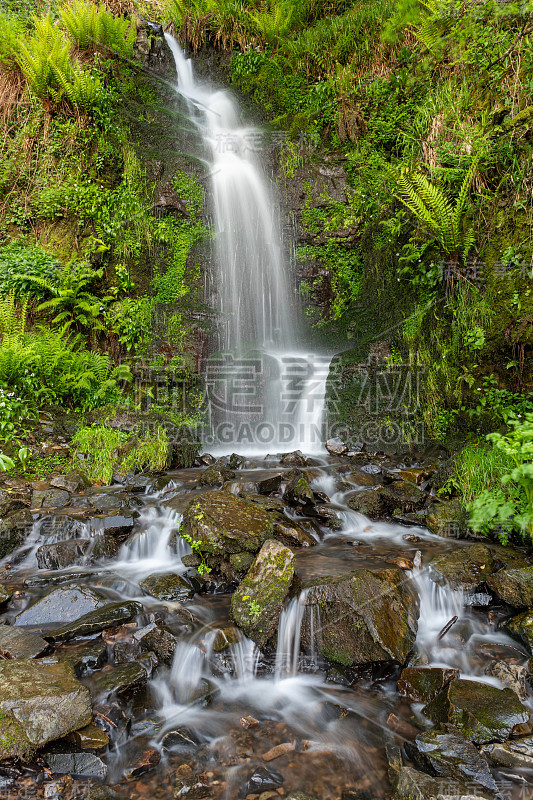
(481,712)
(513,586)
(464,567)
(14,529)
(61,605)
(415,785)
(258,600)
(365,616)
(450,754)
(222,524)
(39,702)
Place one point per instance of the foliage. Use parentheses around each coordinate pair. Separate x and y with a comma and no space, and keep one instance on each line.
(91,26)
(108,451)
(509,505)
(11,34)
(73,305)
(21,264)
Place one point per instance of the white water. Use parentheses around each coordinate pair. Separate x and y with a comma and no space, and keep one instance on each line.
(266,394)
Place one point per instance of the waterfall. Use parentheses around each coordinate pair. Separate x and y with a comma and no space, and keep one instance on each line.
(265,393)
(153,547)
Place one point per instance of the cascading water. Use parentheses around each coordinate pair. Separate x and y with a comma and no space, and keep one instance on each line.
(266,393)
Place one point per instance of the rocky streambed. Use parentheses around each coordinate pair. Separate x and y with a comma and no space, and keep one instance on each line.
(261,628)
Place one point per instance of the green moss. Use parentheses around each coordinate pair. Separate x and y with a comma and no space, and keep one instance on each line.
(13,741)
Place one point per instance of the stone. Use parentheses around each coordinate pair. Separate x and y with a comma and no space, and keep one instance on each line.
(365,616)
(61,605)
(107,616)
(147,760)
(154,638)
(402,496)
(241,562)
(293,535)
(415,785)
(125,679)
(39,702)
(450,754)
(480,711)
(11,500)
(513,586)
(14,530)
(521,628)
(269,485)
(19,643)
(85,657)
(369,503)
(294,459)
(512,675)
(216,475)
(262,779)
(422,684)
(516,753)
(223,524)
(73,481)
(336,446)
(257,603)
(91,737)
(447,518)
(463,567)
(114,523)
(62,554)
(5,594)
(298,491)
(82,765)
(52,498)
(167,587)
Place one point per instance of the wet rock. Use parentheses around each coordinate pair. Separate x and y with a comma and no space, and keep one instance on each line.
(448,518)
(50,498)
(336,447)
(147,760)
(299,492)
(216,475)
(168,587)
(415,785)
(112,718)
(12,500)
(422,684)
(293,535)
(262,779)
(191,787)
(5,594)
(114,523)
(365,616)
(294,459)
(327,516)
(521,628)
(125,679)
(107,501)
(157,639)
(85,657)
(19,643)
(180,737)
(73,481)
(364,479)
(258,600)
(512,675)
(61,605)
(513,586)
(82,765)
(413,475)
(463,567)
(369,503)
(39,702)
(268,503)
(105,617)
(269,485)
(14,530)
(481,712)
(225,637)
(63,527)
(62,554)
(516,753)
(222,524)
(241,562)
(371,469)
(402,496)
(103,793)
(450,754)
(91,737)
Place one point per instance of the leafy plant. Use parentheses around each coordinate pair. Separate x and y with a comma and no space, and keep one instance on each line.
(21,264)
(108,451)
(93,26)
(73,305)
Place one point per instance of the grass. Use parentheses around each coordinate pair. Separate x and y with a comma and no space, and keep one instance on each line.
(478,467)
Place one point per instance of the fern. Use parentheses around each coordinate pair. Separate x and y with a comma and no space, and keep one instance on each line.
(90,26)
(9,41)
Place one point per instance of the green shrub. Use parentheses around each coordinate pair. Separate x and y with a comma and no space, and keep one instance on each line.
(92,27)
(21,264)
(109,451)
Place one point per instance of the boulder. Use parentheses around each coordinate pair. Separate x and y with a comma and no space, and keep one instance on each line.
(269,485)
(450,754)
(336,447)
(447,518)
(73,481)
(61,605)
(521,628)
(125,679)
(18,643)
(12,500)
(216,475)
(154,638)
(298,491)
(369,503)
(168,587)
(463,567)
(415,785)
(402,496)
(513,586)
(105,617)
(14,530)
(221,523)
(512,675)
(365,616)
(480,711)
(81,765)
(291,534)
(422,684)
(516,753)
(257,603)
(62,554)
(294,459)
(39,702)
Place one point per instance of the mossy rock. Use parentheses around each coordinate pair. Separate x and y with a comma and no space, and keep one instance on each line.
(513,586)
(369,503)
(365,616)
(257,602)
(14,530)
(448,519)
(521,628)
(222,524)
(463,567)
